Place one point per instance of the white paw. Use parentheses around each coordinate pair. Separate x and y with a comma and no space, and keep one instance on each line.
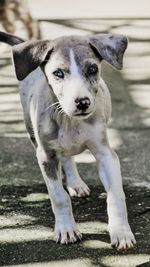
(122,237)
(67,233)
(78,189)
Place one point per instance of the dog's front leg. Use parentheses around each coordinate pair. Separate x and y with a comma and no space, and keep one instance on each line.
(110,174)
(65,227)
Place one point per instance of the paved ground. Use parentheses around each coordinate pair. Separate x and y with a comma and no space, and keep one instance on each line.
(26,220)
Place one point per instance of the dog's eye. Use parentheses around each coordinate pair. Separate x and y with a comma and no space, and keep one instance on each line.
(59,73)
(92,69)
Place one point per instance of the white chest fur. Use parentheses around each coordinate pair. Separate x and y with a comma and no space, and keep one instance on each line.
(69,142)
(72,141)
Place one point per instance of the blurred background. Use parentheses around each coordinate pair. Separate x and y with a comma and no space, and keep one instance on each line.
(130,88)
(129,127)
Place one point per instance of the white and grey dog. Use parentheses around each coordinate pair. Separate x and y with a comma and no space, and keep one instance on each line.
(66,108)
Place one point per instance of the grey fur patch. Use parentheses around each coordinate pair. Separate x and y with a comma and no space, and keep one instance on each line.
(110,47)
(51,166)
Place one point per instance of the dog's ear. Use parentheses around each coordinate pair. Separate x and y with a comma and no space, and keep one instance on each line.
(110,48)
(29,55)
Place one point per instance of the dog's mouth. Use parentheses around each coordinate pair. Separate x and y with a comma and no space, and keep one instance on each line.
(83,114)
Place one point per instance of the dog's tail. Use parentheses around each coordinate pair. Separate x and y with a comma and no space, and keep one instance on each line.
(10,39)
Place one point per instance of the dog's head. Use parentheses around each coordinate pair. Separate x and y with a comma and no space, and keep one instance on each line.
(71,65)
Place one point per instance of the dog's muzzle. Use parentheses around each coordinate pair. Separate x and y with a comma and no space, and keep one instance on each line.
(82,107)
(82,104)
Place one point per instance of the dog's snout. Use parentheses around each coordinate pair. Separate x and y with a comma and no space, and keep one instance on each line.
(82,103)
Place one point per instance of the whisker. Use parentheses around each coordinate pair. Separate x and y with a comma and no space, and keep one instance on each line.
(52,105)
(61,112)
(58,108)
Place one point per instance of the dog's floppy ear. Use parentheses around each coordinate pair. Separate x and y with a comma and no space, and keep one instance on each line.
(29,55)
(110,48)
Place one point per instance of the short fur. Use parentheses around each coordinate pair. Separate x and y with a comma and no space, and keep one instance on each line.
(66,108)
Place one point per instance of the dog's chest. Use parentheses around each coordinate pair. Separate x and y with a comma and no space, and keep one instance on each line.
(70,142)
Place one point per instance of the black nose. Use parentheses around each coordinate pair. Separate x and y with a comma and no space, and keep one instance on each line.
(82,103)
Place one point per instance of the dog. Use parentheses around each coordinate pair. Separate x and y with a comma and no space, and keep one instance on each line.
(12,10)
(66,108)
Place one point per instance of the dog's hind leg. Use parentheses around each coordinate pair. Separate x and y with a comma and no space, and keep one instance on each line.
(75,185)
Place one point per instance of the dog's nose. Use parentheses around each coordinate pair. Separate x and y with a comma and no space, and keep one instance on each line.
(82,103)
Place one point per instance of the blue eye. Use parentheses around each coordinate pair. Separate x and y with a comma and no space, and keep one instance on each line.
(92,69)
(59,73)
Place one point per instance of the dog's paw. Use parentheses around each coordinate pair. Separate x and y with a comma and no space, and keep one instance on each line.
(66,234)
(79,189)
(122,237)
